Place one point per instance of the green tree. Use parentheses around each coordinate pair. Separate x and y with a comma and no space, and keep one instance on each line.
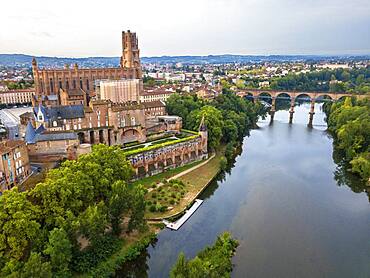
(93,222)
(36,267)
(213,261)
(213,119)
(19,226)
(59,249)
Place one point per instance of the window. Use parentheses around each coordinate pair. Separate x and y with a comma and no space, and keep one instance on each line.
(133,121)
(87,84)
(81,83)
(74,84)
(51,85)
(60,84)
(55,123)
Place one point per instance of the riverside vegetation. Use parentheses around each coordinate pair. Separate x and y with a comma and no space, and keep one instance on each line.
(349,123)
(212,262)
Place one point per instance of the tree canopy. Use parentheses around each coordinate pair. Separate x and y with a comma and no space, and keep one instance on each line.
(349,122)
(228,117)
(213,261)
(74,217)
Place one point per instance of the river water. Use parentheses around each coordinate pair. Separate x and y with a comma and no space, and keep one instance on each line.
(282,201)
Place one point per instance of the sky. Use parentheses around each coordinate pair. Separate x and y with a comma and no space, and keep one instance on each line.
(76,28)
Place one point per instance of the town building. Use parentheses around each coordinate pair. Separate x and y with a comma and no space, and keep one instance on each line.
(207,93)
(12,97)
(156,95)
(14,163)
(154,108)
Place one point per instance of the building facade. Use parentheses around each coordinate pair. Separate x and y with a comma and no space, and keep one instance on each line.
(120,91)
(155,95)
(23,96)
(50,81)
(14,163)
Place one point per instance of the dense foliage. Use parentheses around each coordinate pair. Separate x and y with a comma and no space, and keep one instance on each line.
(340,80)
(22,84)
(228,117)
(213,261)
(349,122)
(73,219)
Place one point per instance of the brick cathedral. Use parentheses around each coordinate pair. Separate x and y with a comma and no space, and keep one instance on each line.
(72,80)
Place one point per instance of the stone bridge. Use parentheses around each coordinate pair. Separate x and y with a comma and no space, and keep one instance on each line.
(293,95)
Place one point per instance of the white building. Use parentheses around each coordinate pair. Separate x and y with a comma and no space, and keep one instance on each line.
(17,96)
(119,91)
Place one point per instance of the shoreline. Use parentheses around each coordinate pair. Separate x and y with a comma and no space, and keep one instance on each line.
(212,162)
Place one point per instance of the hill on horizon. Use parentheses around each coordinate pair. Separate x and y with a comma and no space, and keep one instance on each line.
(25,60)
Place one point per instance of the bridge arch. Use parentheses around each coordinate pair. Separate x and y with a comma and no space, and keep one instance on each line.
(303,97)
(283,96)
(248,96)
(264,96)
(323,97)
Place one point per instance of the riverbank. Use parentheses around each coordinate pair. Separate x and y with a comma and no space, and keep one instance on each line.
(195,180)
(131,248)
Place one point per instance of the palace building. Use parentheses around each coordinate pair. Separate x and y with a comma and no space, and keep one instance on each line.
(74,108)
(50,82)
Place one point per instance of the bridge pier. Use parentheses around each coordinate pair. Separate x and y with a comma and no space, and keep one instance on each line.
(311,113)
(291,110)
(273,108)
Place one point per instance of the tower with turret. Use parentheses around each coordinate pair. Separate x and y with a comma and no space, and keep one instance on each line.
(204,136)
(130,52)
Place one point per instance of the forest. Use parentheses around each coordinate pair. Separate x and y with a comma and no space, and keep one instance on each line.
(349,123)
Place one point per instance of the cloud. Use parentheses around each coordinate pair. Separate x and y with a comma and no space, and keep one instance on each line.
(172,27)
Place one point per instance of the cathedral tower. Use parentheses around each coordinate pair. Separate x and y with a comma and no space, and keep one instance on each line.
(130,52)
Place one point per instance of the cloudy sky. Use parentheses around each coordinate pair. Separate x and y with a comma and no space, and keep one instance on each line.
(77,28)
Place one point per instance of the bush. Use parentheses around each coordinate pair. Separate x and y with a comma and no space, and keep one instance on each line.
(152,208)
(223,163)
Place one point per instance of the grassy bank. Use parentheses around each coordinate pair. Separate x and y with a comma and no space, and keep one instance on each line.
(194,183)
(148,181)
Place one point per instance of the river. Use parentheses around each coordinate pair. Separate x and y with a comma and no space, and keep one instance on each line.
(282,202)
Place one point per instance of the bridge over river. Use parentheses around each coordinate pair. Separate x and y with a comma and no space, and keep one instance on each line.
(293,96)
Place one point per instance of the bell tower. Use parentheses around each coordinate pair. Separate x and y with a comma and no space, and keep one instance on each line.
(130,53)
